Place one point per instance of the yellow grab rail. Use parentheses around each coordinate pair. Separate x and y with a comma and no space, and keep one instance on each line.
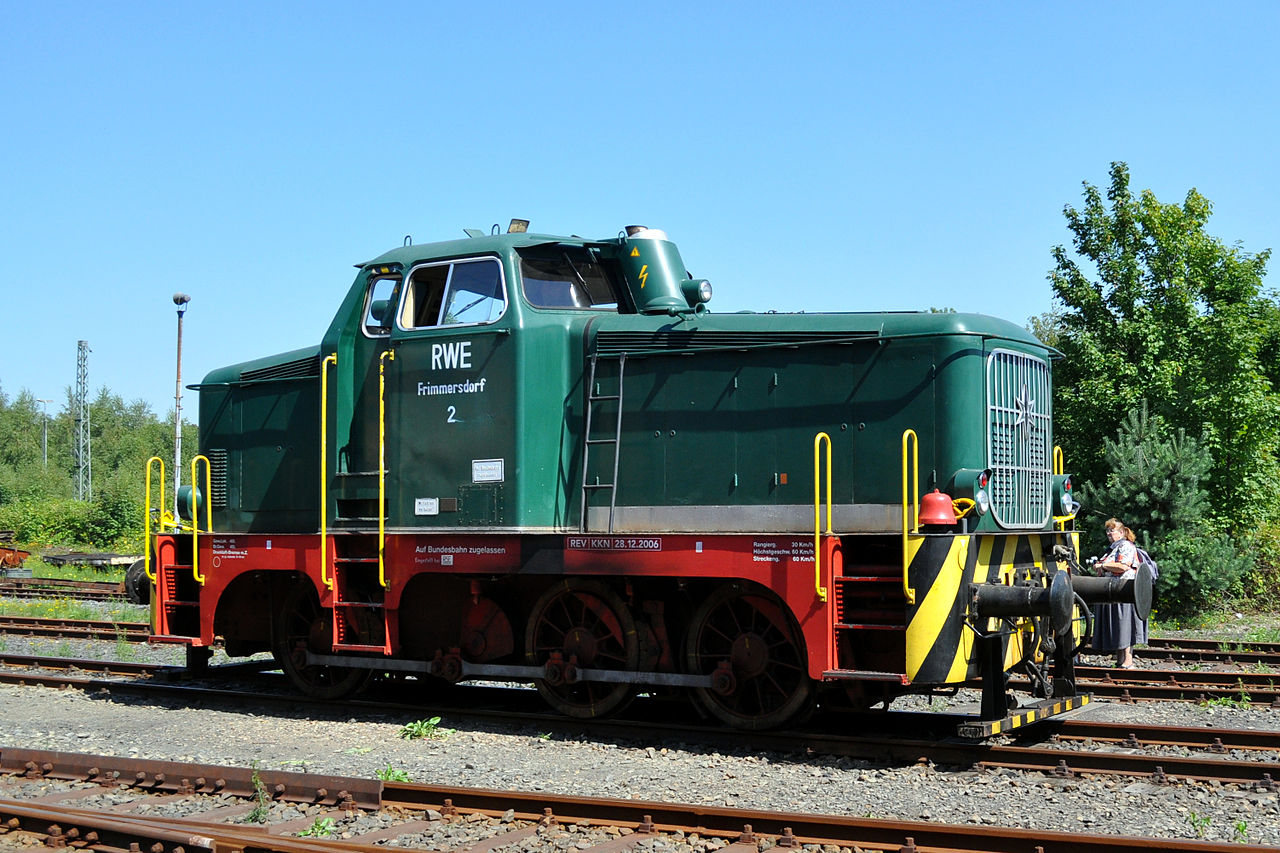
(914,524)
(147,532)
(195,511)
(324,467)
(817,534)
(1060,521)
(382,463)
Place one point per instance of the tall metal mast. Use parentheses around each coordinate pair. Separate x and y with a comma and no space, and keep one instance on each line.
(83,449)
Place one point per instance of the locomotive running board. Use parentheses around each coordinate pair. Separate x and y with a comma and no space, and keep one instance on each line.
(1025,716)
(522,673)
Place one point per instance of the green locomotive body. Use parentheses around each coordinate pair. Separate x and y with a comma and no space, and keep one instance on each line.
(502,427)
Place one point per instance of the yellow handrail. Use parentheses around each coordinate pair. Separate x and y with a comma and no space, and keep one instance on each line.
(195,512)
(324,467)
(1060,521)
(914,525)
(382,464)
(817,535)
(147,532)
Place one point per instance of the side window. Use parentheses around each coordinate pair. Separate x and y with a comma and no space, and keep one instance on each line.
(420,307)
(378,305)
(460,293)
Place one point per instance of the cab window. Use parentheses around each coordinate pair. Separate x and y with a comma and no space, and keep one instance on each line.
(453,294)
(567,277)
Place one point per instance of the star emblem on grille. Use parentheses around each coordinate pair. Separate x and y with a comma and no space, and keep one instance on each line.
(1025,408)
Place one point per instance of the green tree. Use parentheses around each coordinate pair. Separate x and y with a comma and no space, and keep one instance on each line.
(1151,307)
(36,500)
(1155,484)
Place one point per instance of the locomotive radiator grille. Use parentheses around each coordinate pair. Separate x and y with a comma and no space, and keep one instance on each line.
(1019,438)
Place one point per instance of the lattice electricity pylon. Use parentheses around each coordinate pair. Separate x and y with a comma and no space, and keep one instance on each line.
(83,448)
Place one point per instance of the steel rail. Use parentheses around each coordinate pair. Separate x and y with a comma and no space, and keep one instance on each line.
(1212,645)
(88,629)
(1135,735)
(1055,761)
(1173,654)
(57,587)
(743,828)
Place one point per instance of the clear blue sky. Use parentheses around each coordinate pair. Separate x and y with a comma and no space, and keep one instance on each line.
(817,156)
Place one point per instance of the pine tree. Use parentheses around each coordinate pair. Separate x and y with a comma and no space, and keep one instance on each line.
(1155,484)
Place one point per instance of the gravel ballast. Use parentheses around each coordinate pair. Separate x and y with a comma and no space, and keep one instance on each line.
(486,755)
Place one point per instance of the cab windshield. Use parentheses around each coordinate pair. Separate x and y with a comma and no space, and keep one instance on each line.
(568,277)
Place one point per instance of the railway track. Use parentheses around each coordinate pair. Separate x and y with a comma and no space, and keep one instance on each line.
(1256,685)
(1225,755)
(209,806)
(56,588)
(79,629)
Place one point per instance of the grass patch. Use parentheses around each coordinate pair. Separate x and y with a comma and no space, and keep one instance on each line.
(71,608)
(40,569)
(1263,634)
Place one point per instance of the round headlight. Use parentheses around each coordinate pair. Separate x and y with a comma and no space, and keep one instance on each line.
(704,292)
(981,502)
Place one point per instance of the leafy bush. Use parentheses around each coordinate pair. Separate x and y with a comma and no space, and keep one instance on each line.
(1261,587)
(1154,484)
(1198,568)
(108,522)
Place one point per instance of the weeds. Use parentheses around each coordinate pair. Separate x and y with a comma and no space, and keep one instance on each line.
(70,608)
(322,828)
(125,650)
(424,729)
(1199,823)
(262,803)
(1228,701)
(1262,634)
(40,569)
(1241,833)
(390,774)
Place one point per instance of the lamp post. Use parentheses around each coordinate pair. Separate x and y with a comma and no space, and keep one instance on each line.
(44,442)
(180,300)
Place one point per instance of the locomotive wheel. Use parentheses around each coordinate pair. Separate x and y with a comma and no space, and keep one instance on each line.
(589,626)
(749,633)
(303,625)
(137,586)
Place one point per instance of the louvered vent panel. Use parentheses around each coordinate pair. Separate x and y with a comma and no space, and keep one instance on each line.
(636,343)
(303,368)
(217,477)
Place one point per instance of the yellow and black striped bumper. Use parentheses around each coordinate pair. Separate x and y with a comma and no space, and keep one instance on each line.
(940,647)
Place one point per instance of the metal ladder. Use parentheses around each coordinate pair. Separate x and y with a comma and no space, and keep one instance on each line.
(588,441)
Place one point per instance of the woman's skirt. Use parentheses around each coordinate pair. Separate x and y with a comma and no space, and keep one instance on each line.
(1116,627)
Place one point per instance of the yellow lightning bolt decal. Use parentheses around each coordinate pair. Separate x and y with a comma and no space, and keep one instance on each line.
(644,274)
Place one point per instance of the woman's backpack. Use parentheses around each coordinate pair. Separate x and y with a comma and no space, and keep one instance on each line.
(1144,559)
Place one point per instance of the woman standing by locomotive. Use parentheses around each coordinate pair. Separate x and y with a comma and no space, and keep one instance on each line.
(1116,627)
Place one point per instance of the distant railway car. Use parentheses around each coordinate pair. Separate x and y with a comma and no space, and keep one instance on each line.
(542,459)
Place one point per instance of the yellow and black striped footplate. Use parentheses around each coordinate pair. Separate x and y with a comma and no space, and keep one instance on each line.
(1024,716)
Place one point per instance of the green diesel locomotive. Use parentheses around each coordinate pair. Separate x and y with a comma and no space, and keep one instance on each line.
(538,458)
